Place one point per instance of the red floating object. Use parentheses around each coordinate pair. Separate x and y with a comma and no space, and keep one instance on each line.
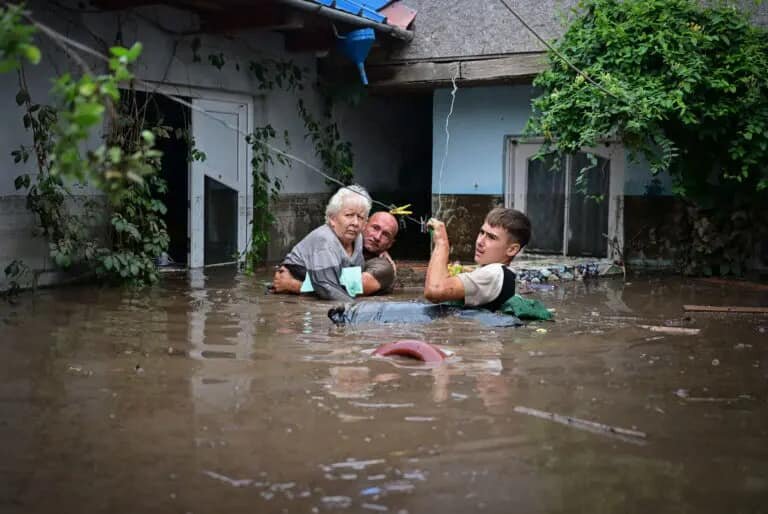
(412,348)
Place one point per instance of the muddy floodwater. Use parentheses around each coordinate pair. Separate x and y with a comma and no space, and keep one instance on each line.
(204,395)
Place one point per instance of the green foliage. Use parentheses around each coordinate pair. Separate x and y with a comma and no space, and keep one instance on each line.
(83,103)
(18,275)
(139,236)
(688,91)
(16,39)
(123,167)
(217,60)
(335,154)
(265,190)
(283,74)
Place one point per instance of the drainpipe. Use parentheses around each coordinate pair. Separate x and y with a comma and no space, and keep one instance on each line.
(335,14)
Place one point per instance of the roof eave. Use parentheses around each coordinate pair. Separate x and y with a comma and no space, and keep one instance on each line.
(341,16)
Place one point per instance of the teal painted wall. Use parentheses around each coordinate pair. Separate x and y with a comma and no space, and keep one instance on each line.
(481,118)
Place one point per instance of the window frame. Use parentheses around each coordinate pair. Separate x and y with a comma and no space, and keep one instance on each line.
(519,149)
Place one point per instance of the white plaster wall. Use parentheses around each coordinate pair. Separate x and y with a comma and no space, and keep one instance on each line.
(482,117)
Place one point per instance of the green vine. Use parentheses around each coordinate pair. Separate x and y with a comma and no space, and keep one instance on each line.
(335,154)
(283,74)
(124,167)
(687,90)
(265,191)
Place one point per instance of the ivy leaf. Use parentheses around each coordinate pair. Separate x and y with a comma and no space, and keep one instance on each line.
(88,114)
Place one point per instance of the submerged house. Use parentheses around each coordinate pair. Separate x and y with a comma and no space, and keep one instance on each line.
(236,67)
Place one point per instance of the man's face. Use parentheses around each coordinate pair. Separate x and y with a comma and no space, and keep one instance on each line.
(493,244)
(379,234)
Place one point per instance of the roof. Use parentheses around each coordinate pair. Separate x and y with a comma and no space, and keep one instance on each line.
(386,12)
(449,30)
(455,30)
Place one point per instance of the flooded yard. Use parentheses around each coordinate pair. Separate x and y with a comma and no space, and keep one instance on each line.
(205,395)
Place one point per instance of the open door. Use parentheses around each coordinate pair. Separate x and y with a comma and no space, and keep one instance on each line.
(218,184)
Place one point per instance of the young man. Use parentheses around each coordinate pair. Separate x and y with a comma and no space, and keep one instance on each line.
(504,233)
(379,271)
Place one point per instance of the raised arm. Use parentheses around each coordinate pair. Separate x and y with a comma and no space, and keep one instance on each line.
(439,285)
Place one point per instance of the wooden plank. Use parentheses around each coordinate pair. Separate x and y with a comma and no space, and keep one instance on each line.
(672,330)
(513,66)
(472,71)
(413,73)
(725,308)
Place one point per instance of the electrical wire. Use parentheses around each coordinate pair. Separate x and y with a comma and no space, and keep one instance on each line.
(59,37)
(556,51)
(447,141)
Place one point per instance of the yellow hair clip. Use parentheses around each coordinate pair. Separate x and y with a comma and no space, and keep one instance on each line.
(400,211)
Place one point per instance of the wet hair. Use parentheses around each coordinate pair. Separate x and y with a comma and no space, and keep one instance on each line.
(517,224)
(348,196)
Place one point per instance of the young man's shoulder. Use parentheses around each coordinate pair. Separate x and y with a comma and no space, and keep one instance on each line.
(484,284)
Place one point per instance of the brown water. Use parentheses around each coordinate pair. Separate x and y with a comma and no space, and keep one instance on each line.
(206,396)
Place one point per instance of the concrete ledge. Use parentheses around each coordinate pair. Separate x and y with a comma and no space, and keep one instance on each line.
(529,269)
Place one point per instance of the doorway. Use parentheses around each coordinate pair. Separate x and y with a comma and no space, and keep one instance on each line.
(573,202)
(173,141)
(218,182)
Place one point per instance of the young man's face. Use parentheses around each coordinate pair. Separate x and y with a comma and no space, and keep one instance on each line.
(494,244)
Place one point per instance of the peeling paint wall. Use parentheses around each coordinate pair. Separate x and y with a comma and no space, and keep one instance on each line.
(463,216)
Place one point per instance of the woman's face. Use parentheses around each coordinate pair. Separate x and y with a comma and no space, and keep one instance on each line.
(348,223)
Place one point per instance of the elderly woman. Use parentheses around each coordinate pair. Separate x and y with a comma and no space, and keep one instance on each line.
(329,259)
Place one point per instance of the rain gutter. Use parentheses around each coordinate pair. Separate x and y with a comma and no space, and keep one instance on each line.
(335,14)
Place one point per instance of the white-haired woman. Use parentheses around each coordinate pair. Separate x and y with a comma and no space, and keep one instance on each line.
(329,259)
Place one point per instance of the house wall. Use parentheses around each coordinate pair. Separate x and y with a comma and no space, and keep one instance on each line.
(381,141)
(473,173)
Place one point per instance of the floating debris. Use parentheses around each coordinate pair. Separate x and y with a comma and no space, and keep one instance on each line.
(357,465)
(337,502)
(245,482)
(584,424)
(382,405)
(672,330)
(374,506)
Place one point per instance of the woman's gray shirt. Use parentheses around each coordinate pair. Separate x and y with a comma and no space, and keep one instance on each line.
(322,255)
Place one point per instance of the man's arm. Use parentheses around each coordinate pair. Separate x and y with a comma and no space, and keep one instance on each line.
(379,274)
(440,286)
(283,282)
(370,284)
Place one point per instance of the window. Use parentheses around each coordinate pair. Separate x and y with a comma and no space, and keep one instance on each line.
(569,216)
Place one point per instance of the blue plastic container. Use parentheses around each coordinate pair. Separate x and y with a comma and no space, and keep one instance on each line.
(356,45)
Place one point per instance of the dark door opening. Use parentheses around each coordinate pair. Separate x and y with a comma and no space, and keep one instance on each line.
(220,223)
(414,178)
(174,118)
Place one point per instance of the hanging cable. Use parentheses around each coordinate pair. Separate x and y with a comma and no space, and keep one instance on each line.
(59,37)
(447,141)
(556,51)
